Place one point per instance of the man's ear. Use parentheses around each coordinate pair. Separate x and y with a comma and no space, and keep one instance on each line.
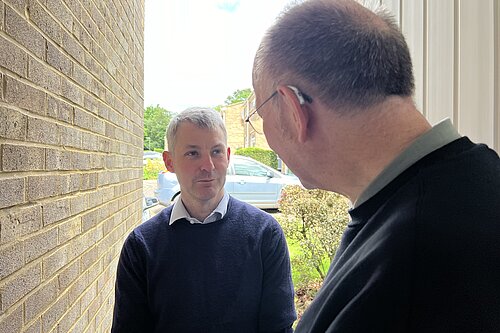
(228,153)
(299,113)
(167,159)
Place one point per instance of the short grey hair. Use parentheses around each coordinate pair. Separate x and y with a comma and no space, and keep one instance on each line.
(199,116)
(346,55)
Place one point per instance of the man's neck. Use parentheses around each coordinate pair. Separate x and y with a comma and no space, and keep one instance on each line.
(200,210)
(362,145)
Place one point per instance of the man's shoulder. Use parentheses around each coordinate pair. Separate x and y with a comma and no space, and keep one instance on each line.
(239,207)
(249,215)
(154,224)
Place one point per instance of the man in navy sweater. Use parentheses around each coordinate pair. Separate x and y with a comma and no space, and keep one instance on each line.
(422,253)
(207,263)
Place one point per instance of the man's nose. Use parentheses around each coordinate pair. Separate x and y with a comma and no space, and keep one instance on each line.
(207,163)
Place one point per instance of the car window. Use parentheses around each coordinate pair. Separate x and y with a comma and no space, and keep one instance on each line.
(249,168)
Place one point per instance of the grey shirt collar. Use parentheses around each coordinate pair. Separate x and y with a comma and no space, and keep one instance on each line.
(438,136)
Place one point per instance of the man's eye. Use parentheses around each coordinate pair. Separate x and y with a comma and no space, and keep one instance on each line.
(191,153)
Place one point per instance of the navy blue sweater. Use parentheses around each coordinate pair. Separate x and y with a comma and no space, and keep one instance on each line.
(422,255)
(232,275)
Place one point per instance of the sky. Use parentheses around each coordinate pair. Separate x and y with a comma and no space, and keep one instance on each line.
(198,52)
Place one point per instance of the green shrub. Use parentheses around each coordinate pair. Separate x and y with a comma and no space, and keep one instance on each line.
(268,157)
(313,220)
(152,168)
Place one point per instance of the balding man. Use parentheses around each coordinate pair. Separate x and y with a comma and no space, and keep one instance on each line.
(334,84)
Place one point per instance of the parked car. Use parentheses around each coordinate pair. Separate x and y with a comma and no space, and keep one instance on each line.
(151,155)
(247,180)
(148,203)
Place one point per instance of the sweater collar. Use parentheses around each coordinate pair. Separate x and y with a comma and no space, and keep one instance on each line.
(438,136)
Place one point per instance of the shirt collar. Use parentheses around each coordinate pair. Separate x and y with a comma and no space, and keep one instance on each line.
(438,136)
(179,211)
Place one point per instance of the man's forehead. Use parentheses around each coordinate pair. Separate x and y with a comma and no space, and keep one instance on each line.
(204,145)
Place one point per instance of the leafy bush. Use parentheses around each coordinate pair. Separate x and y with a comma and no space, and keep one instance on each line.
(268,157)
(315,220)
(152,168)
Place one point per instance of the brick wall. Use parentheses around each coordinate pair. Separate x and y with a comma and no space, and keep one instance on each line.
(234,125)
(71,129)
(253,138)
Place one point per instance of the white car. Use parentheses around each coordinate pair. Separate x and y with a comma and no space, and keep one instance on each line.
(148,203)
(247,180)
(151,155)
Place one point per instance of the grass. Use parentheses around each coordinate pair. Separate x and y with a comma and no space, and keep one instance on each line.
(305,280)
(303,275)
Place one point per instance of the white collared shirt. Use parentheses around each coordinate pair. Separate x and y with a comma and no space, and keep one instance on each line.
(179,211)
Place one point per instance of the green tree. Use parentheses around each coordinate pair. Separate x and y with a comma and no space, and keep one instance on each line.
(239,95)
(156,120)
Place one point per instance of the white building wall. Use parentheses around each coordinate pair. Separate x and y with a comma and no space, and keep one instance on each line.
(456,54)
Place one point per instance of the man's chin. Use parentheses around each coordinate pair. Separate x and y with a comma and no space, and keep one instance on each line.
(210,194)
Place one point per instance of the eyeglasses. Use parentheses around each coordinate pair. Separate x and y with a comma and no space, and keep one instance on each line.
(303,98)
